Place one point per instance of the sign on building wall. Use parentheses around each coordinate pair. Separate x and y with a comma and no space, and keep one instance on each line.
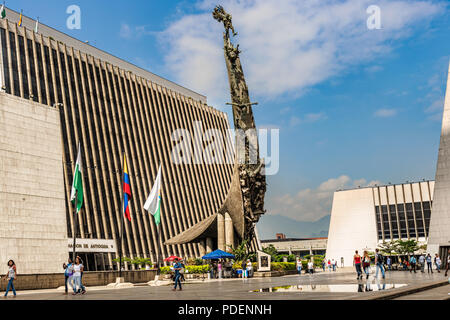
(93,245)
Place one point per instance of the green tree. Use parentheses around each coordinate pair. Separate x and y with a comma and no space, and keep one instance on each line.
(407,247)
(272,251)
(388,248)
(240,252)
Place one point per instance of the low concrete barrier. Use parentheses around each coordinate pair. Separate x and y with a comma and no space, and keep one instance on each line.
(263,274)
(90,279)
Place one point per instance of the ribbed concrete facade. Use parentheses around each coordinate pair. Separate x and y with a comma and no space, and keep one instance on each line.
(111,109)
(365,217)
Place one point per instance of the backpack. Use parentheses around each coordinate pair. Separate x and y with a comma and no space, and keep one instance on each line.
(380,259)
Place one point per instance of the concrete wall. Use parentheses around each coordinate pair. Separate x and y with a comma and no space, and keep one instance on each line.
(297,245)
(90,279)
(33,230)
(352,224)
(440,218)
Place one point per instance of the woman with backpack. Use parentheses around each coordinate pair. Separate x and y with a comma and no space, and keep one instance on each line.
(366,264)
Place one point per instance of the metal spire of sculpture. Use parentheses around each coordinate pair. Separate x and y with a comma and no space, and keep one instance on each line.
(245,199)
(250,166)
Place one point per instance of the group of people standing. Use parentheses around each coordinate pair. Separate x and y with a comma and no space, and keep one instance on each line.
(362,264)
(73,276)
(310,266)
(423,260)
(247,269)
(330,264)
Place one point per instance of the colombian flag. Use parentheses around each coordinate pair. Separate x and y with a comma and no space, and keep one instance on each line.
(20,18)
(126,189)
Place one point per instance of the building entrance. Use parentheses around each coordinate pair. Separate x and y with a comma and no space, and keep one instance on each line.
(443,253)
(95,261)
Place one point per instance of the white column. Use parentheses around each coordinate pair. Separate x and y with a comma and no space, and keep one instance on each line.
(221,232)
(229,232)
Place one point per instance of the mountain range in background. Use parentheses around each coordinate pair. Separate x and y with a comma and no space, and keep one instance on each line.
(269,225)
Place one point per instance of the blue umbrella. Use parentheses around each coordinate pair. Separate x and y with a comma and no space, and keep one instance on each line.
(218,254)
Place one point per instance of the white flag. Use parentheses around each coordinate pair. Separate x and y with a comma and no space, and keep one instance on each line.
(36,28)
(153,203)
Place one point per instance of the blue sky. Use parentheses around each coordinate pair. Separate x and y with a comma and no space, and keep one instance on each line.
(354,106)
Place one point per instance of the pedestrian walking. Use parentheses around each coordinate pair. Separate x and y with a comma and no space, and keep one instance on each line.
(299,266)
(68,275)
(311,267)
(11,275)
(249,269)
(244,270)
(412,262)
(357,263)
(324,264)
(379,263)
(342,262)
(329,265)
(219,269)
(422,263)
(437,262)
(366,264)
(333,264)
(77,271)
(82,288)
(389,263)
(182,271)
(429,263)
(177,268)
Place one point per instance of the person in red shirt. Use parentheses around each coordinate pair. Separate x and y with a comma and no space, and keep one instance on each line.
(357,263)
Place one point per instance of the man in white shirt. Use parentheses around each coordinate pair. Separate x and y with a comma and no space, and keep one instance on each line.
(422,263)
(310,267)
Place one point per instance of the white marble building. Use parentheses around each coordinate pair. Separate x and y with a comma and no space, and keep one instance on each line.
(33,227)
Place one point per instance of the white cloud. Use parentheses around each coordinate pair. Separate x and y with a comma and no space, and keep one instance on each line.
(385,113)
(288,46)
(132,32)
(373,69)
(307,118)
(314,204)
(125,31)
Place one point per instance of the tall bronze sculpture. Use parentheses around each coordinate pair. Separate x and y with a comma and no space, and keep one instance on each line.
(249,165)
(244,203)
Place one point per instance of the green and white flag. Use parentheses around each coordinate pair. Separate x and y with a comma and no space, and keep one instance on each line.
(77,186)
(36,27)
(3,12)
(153,203)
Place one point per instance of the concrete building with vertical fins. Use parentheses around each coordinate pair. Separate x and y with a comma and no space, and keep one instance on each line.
(66,91)
(363,218)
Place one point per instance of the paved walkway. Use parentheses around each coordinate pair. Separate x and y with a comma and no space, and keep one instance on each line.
(440,293)
(338,285)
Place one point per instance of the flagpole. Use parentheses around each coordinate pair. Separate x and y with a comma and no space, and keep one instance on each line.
(76,213)
(158,261)
(122,219)
(75,233)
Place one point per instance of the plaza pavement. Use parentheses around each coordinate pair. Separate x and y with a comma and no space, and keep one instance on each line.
(238,289)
